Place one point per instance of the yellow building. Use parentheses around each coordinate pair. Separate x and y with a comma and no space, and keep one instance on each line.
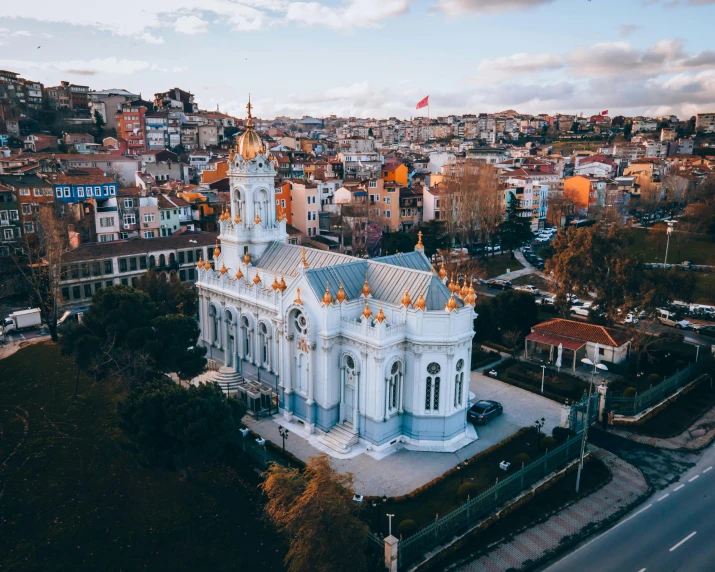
(395,172)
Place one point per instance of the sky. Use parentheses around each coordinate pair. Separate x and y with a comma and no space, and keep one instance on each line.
(377,58)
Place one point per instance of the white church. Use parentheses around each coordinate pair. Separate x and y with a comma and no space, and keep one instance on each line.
(373,351)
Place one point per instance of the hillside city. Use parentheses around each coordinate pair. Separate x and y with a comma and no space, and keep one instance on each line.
(475,342)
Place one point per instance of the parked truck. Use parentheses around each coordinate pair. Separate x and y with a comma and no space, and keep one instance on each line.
(22,320)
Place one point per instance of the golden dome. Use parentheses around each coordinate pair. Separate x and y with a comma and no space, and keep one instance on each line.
(217,251)
(465,289)
(237,219)
(341,296)
(442,272)
(406,301)
(207,265)
(257,220)
(298,300)
(327,297)
(200,263)
(249,144)
(282,285)
(367,312)
(303,259)
(366,291)
(256,279)
(420,304)
(419,241)
(247,258)
(275,284)
(380,316)
(451,303)
(239,274)
(223,269)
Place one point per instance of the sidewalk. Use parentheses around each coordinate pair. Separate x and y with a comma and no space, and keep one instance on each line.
(585,515)
(9,348)
(700,434)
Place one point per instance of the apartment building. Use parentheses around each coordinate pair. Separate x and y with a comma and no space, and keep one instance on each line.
(304,207)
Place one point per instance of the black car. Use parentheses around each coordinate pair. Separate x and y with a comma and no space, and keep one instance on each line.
(707,331)
(484,411)
(500,284)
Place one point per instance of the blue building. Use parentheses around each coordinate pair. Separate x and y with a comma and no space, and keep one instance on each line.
(80,185)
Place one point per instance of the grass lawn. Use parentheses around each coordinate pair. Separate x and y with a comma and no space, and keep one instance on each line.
(481,357)
(557,386)
(681,414)
(497,265)
(74,497)
(595,475)
(704,288)
(652,244)
(483,471)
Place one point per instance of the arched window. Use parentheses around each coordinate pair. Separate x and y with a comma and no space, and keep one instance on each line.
(300,324)
(172,258)
(263,343)
(152,262)
(246,331)
(394,386)
(459,384)
(214,320)
(162,260)
(428,394)
(432,387)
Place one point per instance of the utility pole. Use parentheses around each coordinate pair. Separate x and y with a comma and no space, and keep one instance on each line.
(588,415)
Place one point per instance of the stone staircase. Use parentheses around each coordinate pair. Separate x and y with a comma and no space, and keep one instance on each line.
(340,438)
(228,379)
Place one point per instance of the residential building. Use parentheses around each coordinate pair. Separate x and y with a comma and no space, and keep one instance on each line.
(157,129)
(410,208)
(107,221)
(395,172)
(76,138)
(304,207)
(131,126)
(705,122)
(107,103)
(10,224)
(80,185)
(40,142)
(149,222)
(176,98)
(31,192)
(208,136)
(169,215)
(283,205)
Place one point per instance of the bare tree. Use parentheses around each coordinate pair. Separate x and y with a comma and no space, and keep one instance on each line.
(676,187)
(651,194)
(41,263)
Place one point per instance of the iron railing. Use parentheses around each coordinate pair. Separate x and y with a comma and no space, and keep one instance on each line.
(470,513)
(639,403)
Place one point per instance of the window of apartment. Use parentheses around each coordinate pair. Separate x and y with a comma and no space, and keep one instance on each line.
(123,235)
(65,293)
(88,192)
(87,290)
(76,293)
(37,192)
(373,185)
(149,217)
(97,191)
(109,283)
(182,275)
(47,192)
(112,190)
(125,282)
(132,264)
(142,262)
(97,286)
(181,257)
(191,273)
(148,234)
(26,209)
(8,233)
(29,228)
(14,215)
(128,203)
(108,267)
(106,221)
(129,219)
(122,265)
(25,192)
(58,192)
(80,191)
(388,214)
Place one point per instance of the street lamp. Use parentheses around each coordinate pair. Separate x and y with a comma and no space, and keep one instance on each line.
(667,244)
(543,372)
(588,415)
(389,526)
(283,433)
(539,423)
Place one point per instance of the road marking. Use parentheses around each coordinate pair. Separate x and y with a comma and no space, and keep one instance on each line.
(664,496)
(678,488)
(706,470)
(684,540)
(695,477)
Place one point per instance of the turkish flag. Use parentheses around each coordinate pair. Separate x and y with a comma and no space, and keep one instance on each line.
(604,112)
(423,103)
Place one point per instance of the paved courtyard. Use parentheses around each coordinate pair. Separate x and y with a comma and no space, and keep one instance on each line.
(403,471)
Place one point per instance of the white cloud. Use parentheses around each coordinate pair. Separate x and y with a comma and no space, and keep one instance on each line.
(522,63)
(82,67)
(455,7)
(354,14)
(191,25)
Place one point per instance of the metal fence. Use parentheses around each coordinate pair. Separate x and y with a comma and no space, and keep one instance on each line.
(463,518)
(578,412)
(634,405)
(258,453)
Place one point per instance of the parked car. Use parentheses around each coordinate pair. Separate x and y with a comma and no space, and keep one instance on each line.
(22,320)
(499,284)
(541,239)
(484,411)
(495,248)
(707,331)
(527,288)
(583,309)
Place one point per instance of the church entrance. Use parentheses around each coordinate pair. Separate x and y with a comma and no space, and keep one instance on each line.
(349,406)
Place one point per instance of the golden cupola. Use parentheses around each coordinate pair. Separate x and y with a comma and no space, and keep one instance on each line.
(465,289)
(217,251)
(256,279)
(223,269)
(276,285)
(341,296)
(421,304)
(249,144)
(451,303)
(380,316)
(282,285)
(200,263)
(366,290)
(406,301)
(471,297)
(442,272)
(239,274)
(247,258)
(367,312)
(327,297)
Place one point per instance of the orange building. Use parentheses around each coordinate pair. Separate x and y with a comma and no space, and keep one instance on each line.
(283,201)
(396,172)
(581,190)
(215,171)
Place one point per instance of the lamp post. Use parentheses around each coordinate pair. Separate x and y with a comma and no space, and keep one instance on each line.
(588,415)
(389,526)
(667,244)
(377,517)
(283,433)
(379,511)
(539,423)
(543,372)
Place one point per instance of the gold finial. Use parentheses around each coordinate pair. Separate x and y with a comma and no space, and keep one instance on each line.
(223,269)
(298,300)
(231,156)
(419,241)
(420,304)
(217,251)
(275,284)
(451,303)
(207,265)
(406,301)
(200,263)
(249,118)
(380,315)
(341,296)
(366,291)
(471,297)
(257,220)
(327,297)
(246,258)
(442,272)
(303,258)
(239,274)
(237,219)
(283,285)
(465,289)
(256,279)
(367,312)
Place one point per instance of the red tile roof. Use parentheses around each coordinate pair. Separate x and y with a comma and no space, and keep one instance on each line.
(582,331)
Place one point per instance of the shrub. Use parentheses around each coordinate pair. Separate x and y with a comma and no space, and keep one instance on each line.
(653,379)
(561,434)
(466,490)
(521,459)
(680,364)
(549,443)
(630,392)
(408,526)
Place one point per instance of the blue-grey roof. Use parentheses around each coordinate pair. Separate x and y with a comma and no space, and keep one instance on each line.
(416,260)
(283,259)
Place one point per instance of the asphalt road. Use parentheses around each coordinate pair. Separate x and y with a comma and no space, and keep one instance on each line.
(673,530)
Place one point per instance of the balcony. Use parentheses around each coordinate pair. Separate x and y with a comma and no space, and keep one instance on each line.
(106,209)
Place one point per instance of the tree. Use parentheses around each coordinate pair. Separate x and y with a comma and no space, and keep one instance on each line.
(505,318)
(173,348)
(40,264)
(169,297)
(393,242)
(78,341)
(174,426)
(99,124)
(434,236)
(515,230)
(316,511)
(651,194)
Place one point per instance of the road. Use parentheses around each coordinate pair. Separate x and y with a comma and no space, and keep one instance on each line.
(673,530)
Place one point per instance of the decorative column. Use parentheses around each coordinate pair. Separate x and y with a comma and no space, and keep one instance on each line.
(378,376)
(341,389)
(325,347)
(451,383)
(417,406)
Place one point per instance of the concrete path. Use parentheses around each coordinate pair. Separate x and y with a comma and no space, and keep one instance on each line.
(403,470)
(626,487)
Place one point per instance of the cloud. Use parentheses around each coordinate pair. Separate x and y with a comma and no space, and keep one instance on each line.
(82,67)
(355,13)
(191,25)
(522,63)
(454,7)
(627,30)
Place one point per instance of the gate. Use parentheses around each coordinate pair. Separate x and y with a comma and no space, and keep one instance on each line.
(578,412)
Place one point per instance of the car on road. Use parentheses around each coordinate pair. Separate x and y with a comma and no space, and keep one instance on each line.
(484,411)
(528,288)
(541,239)
(707,331)
(583,309)
(499,284)
(495,248)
